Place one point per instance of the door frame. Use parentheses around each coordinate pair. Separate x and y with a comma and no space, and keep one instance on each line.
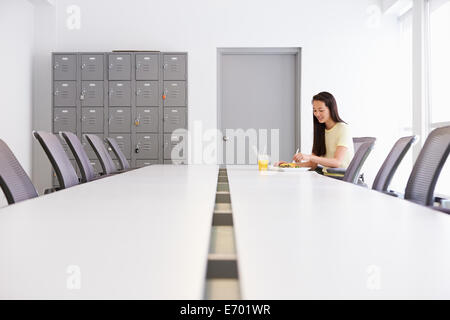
(221,52)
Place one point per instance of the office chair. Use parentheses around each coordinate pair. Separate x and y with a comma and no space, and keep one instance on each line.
(65,172)
(363,146)
(391,163)
(428,166)
(82,159)
(112,143)
(108,166)
(14,181)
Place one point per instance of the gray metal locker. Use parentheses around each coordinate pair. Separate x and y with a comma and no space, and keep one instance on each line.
(64,67)
(92,67)
(174,118)
(147,66)
(124,142)
(176,144)
(147,146)
(147,93)
(119,119)
(91,93)
(64,93)
(143,163)
(175,93)
(147,119)
(119,67)
(120,93)
(92,120)
(87,147)
(65,119)
(174,67)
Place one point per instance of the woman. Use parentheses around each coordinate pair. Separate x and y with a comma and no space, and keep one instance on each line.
(333,144)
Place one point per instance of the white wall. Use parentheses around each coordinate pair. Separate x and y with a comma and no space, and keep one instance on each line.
(346,50)
(16,52)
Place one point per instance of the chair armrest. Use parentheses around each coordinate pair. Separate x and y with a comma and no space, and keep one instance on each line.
(444,210)
(394,194)
(51,190)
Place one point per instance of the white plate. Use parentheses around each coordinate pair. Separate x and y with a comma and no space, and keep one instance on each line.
(272,168)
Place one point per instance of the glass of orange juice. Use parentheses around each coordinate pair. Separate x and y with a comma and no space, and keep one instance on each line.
(263,162)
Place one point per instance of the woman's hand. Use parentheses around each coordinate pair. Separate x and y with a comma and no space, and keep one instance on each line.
(299,157)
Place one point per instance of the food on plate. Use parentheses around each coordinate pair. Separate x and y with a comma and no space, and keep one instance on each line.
(290,165)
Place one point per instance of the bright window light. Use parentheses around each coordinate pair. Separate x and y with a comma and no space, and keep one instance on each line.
(440,63)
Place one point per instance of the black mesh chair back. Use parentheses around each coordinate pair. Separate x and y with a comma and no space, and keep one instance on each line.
(363,146)
(14,181)
(65,172)
(390,165)
(428,166)
(108,166)
(359,141)
(82,159)
(112,143)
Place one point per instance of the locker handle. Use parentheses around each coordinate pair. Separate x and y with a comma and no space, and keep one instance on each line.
(111,91)
(138,92)
(56,93)
(110,66)
(138,66)
(109,119)
(83,66)
(164,65)
(83,118)
(56,66)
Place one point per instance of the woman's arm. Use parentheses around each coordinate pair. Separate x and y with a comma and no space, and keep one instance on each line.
(326,162)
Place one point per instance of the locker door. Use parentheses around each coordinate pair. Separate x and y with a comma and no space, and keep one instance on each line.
(119,67)
(64,67)
(147,66)
(175,93)
(64,93)
(92,67)
(143,163)
(91,93)
(174,118)
(120,119)
(174,146)
(124,142)
(174,67)
(120,93)
(87,147)
(146,146)
(64,119)
(91,120)
(147,93)
(147,119)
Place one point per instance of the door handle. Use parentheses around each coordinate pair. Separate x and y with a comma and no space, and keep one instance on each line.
(225,138)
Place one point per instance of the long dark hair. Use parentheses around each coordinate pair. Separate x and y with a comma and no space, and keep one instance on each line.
(319,148)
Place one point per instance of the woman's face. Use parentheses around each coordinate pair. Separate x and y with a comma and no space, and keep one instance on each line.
(321,111)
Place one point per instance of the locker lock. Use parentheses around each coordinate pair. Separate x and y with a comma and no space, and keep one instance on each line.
(83,66)
(56,66)
(138,65)
(164,95)
(137,121)
(138,92)
(56,92)
(137,149)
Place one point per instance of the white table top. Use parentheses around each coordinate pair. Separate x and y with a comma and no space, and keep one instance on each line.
(302,235)
(143,234)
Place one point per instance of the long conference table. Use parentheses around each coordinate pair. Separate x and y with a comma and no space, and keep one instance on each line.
(305,236)
(144,234)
